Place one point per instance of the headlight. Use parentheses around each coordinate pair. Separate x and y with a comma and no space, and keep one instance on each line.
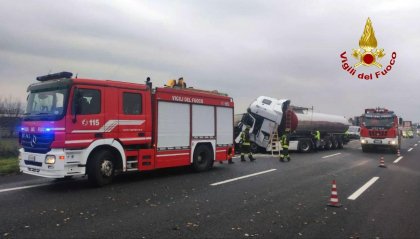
(393,142)
(363,141)
(50,159)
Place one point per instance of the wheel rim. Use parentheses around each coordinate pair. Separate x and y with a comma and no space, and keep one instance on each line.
(107,168)
(305,146)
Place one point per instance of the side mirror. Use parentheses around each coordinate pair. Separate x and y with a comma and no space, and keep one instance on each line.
(75,105)
(400,121)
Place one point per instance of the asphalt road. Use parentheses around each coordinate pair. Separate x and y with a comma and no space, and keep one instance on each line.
(261,199)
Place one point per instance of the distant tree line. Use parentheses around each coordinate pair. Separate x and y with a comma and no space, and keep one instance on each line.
(11,110)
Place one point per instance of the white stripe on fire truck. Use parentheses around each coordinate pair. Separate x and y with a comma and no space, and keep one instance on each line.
(224,150)
(110,125)
(166,155)
(55,129)
(140,138)
(78,141)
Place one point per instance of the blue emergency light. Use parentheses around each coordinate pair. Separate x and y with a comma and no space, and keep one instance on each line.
(64,74)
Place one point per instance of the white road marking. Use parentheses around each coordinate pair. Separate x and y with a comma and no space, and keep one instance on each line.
(332,155)
(398,159)
(409,149)
(362,189)
(415,145)
(242,177)
(23,187)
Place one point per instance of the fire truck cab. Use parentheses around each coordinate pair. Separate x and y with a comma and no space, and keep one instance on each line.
(102,128)
(379,129)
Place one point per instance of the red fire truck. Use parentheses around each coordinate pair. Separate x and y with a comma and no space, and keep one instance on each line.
(76,126)
(379,129)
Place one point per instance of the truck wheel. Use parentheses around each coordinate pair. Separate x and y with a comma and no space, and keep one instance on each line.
(101,168)
(340,143)
(328,144)
(305,146)
(364,149)
(254,148)
(202,158)
(334,143)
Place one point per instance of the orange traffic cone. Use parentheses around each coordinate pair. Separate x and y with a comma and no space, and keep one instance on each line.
(334,196)
(382,163)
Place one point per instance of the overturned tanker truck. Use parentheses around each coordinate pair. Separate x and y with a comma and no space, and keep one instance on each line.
(267,116)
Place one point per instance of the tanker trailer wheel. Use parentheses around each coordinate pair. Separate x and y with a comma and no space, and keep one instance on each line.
(305,146)
(202,158)
(101,168)
(334,142)
(340,143)
(328,144)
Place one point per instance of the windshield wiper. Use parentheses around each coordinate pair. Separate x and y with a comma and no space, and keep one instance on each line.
(43,113)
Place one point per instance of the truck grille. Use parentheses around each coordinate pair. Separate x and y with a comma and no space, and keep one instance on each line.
(378,134)
(37,143)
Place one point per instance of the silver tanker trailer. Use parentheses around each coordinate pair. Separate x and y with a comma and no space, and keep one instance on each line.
(266,115)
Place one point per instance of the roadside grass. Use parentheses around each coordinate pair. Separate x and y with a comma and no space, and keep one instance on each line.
(9,162)
(9,165)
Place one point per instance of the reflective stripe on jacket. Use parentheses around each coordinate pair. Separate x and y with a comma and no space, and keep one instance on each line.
(245,138)
(284,140)
(317,135)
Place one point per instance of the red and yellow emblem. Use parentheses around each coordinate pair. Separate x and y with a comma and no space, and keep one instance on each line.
(367,54)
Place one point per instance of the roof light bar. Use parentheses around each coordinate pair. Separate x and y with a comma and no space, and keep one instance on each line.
(64,74)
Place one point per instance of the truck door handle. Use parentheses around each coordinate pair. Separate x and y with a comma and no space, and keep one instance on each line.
(99,135)
(141,134)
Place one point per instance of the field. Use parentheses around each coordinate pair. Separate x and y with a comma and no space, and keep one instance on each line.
(8,156)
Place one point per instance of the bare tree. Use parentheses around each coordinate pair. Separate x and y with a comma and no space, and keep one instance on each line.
(10,111)
(10,107)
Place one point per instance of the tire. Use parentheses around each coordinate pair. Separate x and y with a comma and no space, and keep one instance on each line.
(328,144)
(340,143)
(101,168)
(334,142)
(254,148)
(364,149)
(202,158)
(305,146)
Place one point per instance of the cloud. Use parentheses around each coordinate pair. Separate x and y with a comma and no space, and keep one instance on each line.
(244,48)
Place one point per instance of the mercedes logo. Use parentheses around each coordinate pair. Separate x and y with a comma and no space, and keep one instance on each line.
(33,141)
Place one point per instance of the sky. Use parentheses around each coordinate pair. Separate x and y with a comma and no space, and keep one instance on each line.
(282,49)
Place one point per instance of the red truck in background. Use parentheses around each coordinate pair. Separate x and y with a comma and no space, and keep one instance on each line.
(379,129)
(76,126)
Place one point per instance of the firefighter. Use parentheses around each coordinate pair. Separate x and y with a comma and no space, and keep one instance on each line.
(245,145)
(284,140)
(317,140)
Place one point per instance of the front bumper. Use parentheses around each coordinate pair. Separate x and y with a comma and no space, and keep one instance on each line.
(67,163)
(389,142)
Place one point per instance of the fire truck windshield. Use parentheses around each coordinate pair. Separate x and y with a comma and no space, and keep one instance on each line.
(46,104)
(386,122)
